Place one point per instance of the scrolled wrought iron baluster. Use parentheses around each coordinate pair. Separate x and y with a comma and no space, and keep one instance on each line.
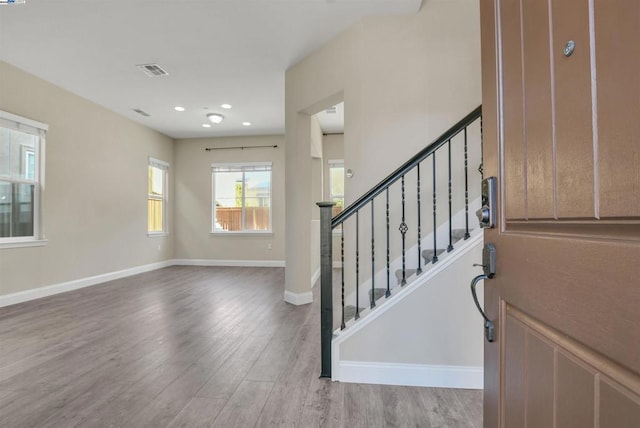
(403,230)
(450,246)
(342,324)
(419,270)
(435,225)
(373,260)
(357,265)
(388,292)
(466,187)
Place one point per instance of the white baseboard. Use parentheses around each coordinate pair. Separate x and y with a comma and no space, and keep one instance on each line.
(49,290)
(315,277)
(410,375)
(239,263)
(298,298)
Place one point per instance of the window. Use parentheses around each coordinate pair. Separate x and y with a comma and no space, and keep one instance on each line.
(21,153)
(336,185)
(157,199)
(241,197)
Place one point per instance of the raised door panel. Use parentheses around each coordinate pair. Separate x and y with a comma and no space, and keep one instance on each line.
(554,381)
(573,125)
(537,109)
(515,145)
(617,43)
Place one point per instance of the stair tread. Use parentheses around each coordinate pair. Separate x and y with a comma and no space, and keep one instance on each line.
(428,254)
(378,293)
(350,312)
(408,273)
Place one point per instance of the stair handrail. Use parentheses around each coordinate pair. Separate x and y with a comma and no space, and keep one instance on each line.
(406,167)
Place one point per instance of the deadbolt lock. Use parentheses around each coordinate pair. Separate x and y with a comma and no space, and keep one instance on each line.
(487,213)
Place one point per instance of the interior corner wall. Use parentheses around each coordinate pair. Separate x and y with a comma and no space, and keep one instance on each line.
(194,200)
(404,80)
(95,198)
(316,138)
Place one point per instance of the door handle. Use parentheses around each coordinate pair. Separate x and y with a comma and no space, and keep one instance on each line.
(489,268)
(489,330)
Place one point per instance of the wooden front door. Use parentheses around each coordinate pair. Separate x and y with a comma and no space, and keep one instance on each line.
(562,135)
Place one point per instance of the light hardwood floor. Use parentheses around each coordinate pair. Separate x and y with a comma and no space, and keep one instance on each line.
(192,347)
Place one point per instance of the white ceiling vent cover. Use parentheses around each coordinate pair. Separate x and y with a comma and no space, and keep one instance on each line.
(141,112)
(152,70)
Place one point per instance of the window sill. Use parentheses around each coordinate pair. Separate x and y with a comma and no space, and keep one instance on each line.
(22,244)
(250,234)
(157,234)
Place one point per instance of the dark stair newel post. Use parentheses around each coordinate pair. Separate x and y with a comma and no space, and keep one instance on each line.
(326,286)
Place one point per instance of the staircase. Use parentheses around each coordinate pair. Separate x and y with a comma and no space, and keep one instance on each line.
(379,293)
(408,228)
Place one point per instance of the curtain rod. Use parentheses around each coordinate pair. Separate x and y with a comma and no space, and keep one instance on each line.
(208,149)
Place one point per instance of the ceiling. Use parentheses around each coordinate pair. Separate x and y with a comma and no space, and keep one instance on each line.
(215,51)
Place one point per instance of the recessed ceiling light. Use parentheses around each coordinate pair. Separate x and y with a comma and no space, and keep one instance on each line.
(246,123)
(227,106)
(206,125)
(215,118)
(178,108)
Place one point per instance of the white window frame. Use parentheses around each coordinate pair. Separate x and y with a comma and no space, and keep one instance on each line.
(240,165)
(39,129)
(164,166)
(335,163)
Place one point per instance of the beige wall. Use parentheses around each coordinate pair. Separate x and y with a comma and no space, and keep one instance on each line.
(404,80)
(95,207)
(193,200)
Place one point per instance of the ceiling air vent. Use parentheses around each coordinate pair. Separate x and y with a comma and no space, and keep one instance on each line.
(141,112)
(331,110)
(152,70)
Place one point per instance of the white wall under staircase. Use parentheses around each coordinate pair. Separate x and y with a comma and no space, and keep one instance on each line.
(429,333)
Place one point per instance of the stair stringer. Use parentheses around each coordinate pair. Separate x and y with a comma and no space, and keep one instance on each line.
(440,373)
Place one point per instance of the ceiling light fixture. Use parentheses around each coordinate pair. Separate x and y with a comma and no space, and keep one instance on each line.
(206,125)
(227,106)
(178,108)
(246,123)
(215,118)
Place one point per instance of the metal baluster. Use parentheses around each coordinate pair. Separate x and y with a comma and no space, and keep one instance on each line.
(419,270)
(388,293)
(342,325)
(357,265)
(373,261)
(466,187)
(450,247)
(435,225)
(403,230)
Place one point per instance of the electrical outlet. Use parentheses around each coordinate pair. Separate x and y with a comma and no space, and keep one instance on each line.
(269,246)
